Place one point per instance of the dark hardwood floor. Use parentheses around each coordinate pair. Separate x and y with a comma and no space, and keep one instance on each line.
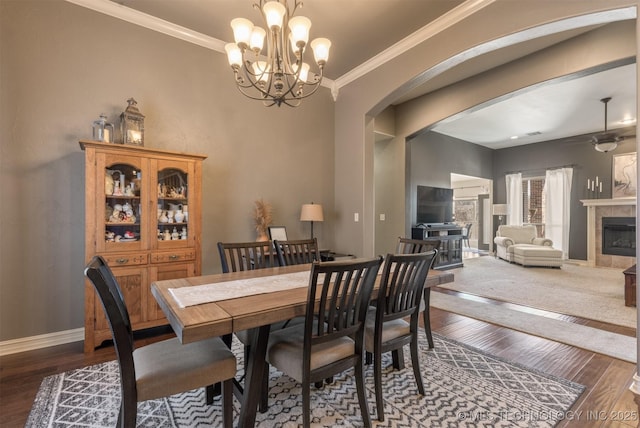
(607,401)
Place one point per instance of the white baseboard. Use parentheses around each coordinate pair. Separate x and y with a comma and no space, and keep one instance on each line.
(41,341)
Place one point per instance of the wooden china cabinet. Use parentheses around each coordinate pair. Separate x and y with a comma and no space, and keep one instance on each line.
(143,215)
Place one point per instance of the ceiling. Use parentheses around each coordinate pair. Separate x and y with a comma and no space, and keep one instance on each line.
(361,29)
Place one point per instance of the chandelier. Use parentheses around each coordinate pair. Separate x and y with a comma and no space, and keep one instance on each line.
(282,76)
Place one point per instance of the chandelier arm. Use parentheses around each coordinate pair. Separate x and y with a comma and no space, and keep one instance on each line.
(298,85)
(277,79)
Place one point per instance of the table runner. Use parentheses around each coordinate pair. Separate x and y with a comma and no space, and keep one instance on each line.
(208,293)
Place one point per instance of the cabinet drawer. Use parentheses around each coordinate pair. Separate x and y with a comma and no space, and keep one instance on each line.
(129,259)
(173,256)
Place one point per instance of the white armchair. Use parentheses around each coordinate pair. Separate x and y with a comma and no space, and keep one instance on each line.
(508,238)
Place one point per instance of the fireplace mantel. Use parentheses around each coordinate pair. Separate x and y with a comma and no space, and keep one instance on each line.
(595,209)
(608,202)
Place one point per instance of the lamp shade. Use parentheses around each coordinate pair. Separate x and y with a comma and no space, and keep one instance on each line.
(499,209)
(311,212)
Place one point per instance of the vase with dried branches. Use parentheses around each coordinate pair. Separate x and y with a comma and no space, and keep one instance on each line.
(262,217)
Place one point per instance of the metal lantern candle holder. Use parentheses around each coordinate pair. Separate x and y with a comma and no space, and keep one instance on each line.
(132,124)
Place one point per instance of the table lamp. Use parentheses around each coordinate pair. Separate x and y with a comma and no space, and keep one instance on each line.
(500,210)
(311,212)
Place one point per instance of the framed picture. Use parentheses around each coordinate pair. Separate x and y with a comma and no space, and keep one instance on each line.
(277,232)
(465,210)
(624,175)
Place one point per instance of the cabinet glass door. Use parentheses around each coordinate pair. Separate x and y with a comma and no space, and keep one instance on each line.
(122,207)
(173,206)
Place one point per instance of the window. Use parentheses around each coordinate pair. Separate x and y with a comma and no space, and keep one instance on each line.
(533,203)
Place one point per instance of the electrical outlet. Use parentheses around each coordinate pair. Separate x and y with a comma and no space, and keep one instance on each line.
(356,217)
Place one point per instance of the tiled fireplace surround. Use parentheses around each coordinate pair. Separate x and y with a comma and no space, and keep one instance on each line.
(596,209)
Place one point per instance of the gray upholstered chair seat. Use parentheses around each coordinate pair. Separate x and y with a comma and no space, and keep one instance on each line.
(285,351)
(169,367)
(390,329)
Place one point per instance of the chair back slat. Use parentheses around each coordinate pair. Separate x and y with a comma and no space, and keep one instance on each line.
(241,256)
(297,252)
(108,290)
(402,284)
(413,246)
(338,298)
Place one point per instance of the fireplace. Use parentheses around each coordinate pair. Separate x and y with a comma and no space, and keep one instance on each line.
(619,236)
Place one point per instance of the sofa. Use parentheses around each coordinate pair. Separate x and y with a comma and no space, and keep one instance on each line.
(520,244)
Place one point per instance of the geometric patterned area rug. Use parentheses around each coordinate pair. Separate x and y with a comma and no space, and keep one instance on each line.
(463,387)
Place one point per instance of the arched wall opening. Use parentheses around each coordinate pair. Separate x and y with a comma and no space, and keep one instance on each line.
(355,115)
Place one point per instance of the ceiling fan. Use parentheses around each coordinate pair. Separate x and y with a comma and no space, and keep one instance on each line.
(606,141)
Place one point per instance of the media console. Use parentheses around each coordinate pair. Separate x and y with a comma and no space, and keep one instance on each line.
(450,235)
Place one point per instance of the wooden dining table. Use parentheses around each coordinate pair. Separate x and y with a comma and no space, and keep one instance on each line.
(254,312)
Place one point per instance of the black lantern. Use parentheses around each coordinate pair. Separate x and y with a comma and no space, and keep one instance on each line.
(132,124)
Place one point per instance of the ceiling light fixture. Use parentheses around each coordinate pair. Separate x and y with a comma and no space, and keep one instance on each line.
(282,77)
(606,141)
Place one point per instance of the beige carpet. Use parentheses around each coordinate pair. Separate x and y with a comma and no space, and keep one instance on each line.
(587,292)
(592,293)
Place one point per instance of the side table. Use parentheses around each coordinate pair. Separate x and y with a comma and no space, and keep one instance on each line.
(630,286)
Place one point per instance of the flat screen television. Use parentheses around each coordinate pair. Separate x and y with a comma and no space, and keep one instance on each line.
(434,205)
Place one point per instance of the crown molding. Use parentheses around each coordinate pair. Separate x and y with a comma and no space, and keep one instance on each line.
(436,26)
(133,16)
(153,23)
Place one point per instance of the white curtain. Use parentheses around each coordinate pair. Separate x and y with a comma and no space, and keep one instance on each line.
(514,198)
(557,194)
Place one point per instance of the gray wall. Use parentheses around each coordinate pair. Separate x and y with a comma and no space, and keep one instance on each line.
(432,157)
(61,66)
(534,159)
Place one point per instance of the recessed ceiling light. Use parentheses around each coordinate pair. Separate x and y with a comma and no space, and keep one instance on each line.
(514,137)
(627,120)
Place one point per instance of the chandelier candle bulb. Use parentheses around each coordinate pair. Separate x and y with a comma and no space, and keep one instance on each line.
(299,26)
(234,55)
(274,13)
(321,50)
(257,39)
(242,29)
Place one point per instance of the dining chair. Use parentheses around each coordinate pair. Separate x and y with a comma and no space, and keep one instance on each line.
(331,340)
(297,252)
(412,246)
(241,256)
(163,368)
(386,330)
(466,233)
